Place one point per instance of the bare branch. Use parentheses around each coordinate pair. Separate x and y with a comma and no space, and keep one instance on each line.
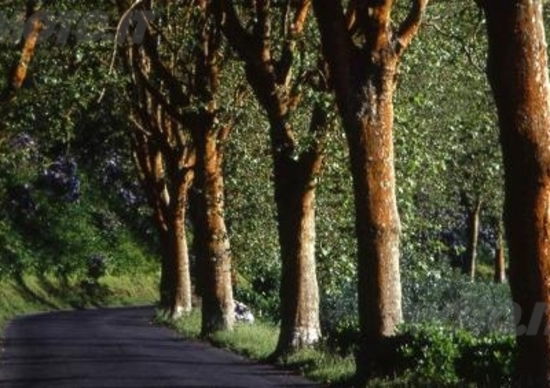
(301,17)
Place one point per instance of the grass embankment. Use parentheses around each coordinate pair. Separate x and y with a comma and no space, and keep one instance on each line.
(32,294)
(258,341)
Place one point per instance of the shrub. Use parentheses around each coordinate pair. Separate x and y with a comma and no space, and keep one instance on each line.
(444,356)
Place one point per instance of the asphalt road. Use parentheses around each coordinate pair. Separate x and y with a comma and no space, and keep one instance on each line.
(121,348)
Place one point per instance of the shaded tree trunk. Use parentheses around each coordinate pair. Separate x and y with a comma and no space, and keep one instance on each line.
(218,308)
(295,199)
(518,73)
(500,260)
(166,274)
(470,262)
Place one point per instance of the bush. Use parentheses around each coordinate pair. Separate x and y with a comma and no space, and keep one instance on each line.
(487,361)
(429,353)
(443,296)
(447,356)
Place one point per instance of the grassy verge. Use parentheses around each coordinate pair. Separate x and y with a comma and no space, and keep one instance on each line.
(258,341)
(31,294)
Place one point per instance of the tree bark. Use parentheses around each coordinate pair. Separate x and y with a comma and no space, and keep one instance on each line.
(518,73)
(470,261)
(294,172)
(167,191)
(363,48)
(166,274)
(500,260)
(181,294)
(295,199)
(369,128)
(218,307)
(18,75)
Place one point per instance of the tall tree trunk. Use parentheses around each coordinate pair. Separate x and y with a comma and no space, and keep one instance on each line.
(470,262)
(363,47)
(294,172)
(518,73)
(500,260)
(181,293)
(369,128)
(299,304)
(218,308)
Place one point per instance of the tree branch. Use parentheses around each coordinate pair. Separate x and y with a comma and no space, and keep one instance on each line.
(19,73)
(229,22)
(409,28)
(338,47)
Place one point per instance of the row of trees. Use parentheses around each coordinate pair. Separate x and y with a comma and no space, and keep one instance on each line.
(362,49)
(181,108)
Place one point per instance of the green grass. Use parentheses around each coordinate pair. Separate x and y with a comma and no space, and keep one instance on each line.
(258,341)
(32,294)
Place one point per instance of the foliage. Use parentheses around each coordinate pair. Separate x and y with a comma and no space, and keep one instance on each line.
(432,353)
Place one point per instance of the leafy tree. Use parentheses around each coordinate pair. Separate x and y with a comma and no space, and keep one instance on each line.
(179,140)
(279,79)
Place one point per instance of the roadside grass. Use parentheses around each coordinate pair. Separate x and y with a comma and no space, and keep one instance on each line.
(258,341)
(33,294)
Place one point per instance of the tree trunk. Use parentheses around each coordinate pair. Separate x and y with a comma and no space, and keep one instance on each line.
(218,308)
(180,291)
(500,260)
(295,198)
(471,254)
(377,220)
(517,69)
(362,48)
(369,129)
(166,275)
(294,172)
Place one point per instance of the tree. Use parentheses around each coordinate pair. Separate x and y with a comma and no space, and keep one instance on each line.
(363,52)
(210,135)
(276,82)
(178,94)
(165,160)
(518,73)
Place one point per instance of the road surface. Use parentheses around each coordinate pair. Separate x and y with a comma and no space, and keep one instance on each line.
(121,348)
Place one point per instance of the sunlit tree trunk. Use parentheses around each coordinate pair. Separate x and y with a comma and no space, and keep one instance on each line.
(500,260)
(470,262)
(518,73)
(19,72)
(181,292)
(363,50)
(168,199)
(295,199)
